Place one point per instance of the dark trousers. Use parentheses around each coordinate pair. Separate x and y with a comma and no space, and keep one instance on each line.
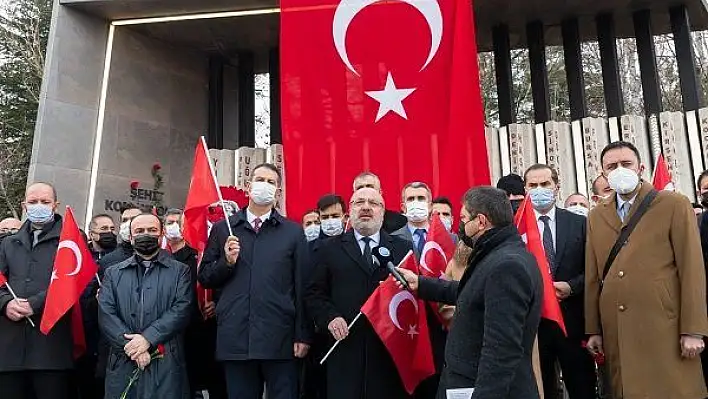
(313,376)
(245,379)
(35,385)
(428,388)
(85,380)
(576,363)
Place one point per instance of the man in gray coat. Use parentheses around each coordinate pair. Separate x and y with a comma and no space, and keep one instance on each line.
(498,304)
(146,303)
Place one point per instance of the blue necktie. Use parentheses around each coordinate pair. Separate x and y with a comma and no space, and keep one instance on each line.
(420,233)
(548,243)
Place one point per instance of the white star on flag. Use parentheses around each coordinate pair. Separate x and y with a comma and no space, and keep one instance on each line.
(412,332)
(54,276)
(390,99)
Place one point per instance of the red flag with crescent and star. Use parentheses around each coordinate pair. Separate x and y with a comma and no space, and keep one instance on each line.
(400,322)
(387,86)
(437,252)
(74,268)
(525,220)
(3,279)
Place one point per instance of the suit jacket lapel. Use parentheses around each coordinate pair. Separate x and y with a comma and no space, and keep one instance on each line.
(351,247)
(608,211)
(562,231)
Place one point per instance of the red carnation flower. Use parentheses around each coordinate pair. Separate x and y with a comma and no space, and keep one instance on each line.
(161,349)
(134,184)
(156,167)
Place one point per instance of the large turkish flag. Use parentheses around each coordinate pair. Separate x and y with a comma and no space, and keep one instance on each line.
(390,87)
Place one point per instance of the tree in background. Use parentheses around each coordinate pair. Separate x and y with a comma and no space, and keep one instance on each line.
(24,29)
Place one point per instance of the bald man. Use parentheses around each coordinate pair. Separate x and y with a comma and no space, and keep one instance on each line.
(33,364)
(9,227)
(345,276)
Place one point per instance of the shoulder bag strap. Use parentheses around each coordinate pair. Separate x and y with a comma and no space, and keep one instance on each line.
(626,231)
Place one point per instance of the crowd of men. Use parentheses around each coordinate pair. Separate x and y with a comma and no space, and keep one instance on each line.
(633,300)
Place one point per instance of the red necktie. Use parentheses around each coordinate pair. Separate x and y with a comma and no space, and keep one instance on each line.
(257,224)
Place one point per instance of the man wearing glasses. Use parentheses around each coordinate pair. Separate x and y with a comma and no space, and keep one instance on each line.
(345,276)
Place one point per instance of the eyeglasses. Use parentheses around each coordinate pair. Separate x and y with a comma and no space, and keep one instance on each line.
(363,201)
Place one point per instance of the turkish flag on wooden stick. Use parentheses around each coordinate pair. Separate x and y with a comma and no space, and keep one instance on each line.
(390,87)
(662,176)
(525,221)
(74,268)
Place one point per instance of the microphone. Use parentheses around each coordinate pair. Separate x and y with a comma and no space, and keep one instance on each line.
(382,256)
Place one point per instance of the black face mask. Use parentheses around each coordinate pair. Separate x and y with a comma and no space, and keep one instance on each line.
(146,244)
(704,199)
(107,241)
(467,240)
(515,205)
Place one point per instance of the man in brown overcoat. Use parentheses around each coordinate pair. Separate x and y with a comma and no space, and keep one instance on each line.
(650,316)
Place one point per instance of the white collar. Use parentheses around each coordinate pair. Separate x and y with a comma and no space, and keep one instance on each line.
(251,217)
(551,214)
(375,238)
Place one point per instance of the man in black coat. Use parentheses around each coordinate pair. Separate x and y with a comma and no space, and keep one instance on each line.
(563,236)
(392,221)
(33,365)
(345,277)
(497,304)
(261,270)
(203,370)
(145,304)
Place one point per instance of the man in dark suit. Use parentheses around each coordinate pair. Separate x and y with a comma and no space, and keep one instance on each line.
(498,305)
(345,277)
(417,203)
(261,271)
(563,235)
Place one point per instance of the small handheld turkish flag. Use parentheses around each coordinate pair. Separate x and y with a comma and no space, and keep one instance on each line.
(399,320)
(74,268)
(525,221)
(3,279)
(662,176)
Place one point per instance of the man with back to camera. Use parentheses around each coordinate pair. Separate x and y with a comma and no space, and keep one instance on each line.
(261,271)
(497,300)
(646,309)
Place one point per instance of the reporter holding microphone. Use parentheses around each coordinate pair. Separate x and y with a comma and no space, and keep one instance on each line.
(498,305)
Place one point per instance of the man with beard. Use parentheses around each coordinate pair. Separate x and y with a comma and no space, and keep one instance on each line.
(145,304)
(646,308)
(345,277)
(32,364)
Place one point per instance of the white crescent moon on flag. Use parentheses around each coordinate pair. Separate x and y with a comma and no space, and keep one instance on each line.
(396,302)
(68,244)
(430,245)
(348,9)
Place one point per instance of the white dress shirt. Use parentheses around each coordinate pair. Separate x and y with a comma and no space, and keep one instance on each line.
(552,223)
(375,239)
(252,218)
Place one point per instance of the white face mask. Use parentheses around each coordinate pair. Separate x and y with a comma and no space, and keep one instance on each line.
(262,193)
(623,180)
(447,222)
(332,227)
(124,232)
(173,232)
(417,211)
(312,232)
(578,210)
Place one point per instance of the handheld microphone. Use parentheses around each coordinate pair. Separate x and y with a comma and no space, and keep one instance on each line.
(383,257)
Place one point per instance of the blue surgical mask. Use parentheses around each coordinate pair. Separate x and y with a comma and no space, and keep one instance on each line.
(39,213)
(542,198)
